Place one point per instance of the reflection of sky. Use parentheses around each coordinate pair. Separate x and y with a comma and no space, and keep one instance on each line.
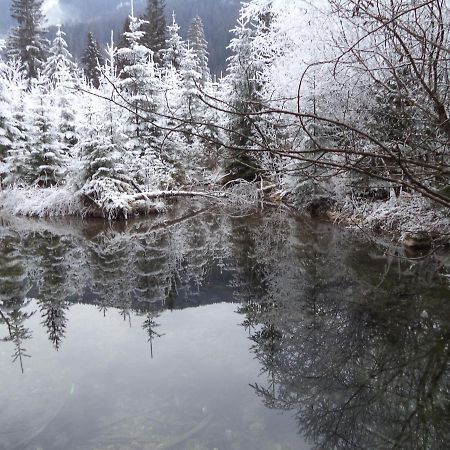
(103,372)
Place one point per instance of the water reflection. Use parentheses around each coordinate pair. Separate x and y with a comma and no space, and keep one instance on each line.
(357,345)
(351,341)
(13,291)
(137,267)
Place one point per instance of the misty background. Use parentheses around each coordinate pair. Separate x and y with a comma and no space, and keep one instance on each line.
(78,17)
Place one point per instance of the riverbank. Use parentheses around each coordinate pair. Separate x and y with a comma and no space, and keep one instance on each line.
(397,217)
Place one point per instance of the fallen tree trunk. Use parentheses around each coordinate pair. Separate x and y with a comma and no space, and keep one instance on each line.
(171,194)
(114,205)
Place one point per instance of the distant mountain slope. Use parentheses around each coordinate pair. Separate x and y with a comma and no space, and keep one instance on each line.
(5,20)
(102,16)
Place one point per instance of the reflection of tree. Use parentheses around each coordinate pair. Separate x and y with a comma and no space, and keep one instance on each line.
(53,289)
(361,367)
(109,259)
(152,269)
(149,326)
(17,331)
(250,257)
(13,290)
(197,261)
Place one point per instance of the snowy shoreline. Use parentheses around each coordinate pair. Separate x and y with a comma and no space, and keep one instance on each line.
(395,217)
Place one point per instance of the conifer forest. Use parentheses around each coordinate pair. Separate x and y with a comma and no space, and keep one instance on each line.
(353,118)
(224,224)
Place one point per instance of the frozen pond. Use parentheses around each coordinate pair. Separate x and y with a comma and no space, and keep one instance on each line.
(201,330)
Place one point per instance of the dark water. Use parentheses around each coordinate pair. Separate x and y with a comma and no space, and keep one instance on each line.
(203,331)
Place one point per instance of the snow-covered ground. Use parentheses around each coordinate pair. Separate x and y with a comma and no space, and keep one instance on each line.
(397,216)
(51,202)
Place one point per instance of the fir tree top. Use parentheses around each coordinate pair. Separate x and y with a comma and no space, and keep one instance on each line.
(175,46)
(59,66)
(199,45)
(27,42)
(155,29)
(92,60)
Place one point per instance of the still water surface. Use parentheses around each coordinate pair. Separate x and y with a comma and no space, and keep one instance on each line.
(202,330)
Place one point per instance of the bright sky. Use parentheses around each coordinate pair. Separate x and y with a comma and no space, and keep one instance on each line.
(53,11)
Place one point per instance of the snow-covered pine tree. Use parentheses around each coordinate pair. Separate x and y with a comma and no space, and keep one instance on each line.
(305,180)
(92,61)
(2,50)
(140,85)
(45,162)
(174,148)
(102,160)
(190,81)
(154,29)
(102,149)
(19,152)
(123,43)
(198,43)
(243,97)
(13,137)
(27,41)
(5,120)
(65,101)
(60,71)
(183,148)
(175,47)
(212,134)
(59,66)
(397,120)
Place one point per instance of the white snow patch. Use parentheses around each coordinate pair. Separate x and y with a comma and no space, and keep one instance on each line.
(409,213)
(51,202)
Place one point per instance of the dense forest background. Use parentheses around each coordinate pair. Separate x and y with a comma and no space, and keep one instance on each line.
(101,16)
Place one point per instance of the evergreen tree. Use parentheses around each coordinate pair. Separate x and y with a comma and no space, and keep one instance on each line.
(175,46)
(123,43)
(397,120)
(65,102)
(199,45)
(27,42)
(102,150)
(60,72)
(211,134)
(155,29)
(92,61)
(19,151)
(139,83)
(59,67)
(243,96)
(190,79)
(45,162)
(5,120)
